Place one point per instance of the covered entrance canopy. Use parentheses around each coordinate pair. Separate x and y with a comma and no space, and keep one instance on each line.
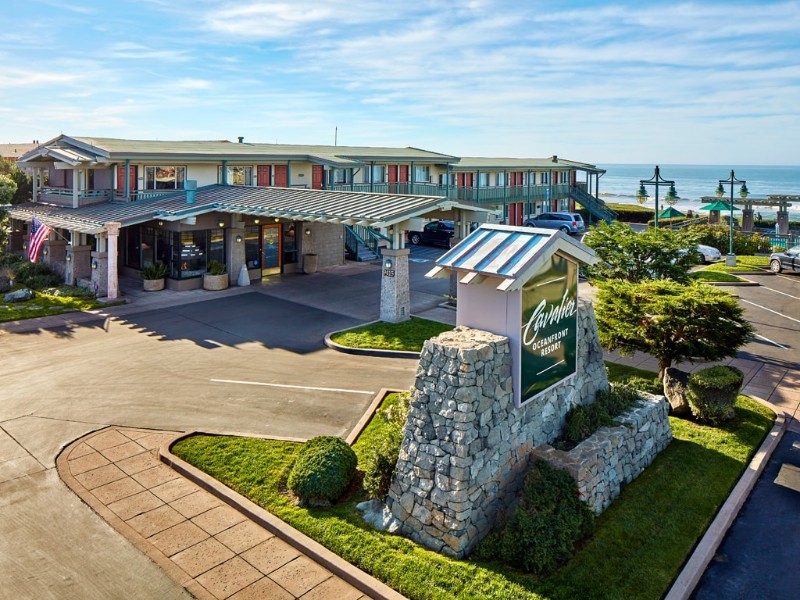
(391,212)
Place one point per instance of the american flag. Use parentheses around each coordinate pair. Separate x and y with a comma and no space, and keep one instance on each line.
(39,233)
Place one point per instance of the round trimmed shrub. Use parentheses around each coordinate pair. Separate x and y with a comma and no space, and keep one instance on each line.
(322,471)
(712,392)
(547,523)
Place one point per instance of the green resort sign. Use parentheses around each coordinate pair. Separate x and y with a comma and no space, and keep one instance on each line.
(549,327)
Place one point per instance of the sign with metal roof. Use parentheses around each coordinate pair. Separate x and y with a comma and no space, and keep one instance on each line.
(522,282)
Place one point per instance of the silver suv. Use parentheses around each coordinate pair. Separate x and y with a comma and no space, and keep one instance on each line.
(566,222)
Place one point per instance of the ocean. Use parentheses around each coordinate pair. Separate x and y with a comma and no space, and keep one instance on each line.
(621,182)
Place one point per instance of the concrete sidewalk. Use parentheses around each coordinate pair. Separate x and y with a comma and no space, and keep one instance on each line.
(205,545)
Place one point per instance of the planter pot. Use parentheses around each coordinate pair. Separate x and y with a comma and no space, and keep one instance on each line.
(153,285)
(309,263)
(215,282)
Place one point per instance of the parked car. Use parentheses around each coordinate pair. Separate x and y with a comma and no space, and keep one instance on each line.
(788,260)
(437,233)
(708,253)
(566,222)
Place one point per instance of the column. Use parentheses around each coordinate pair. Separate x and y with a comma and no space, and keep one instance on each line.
(56,255)
(747,219)
(395,294)
(234,244)
(112,230)
(713,217)
(78,261)
(37,173)
(783,220)
(76,182)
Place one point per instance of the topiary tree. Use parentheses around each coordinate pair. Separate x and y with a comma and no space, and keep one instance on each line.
(669,320)
(712,392)
(323,470)
(631,256)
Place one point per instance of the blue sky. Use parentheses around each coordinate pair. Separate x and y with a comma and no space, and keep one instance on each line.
(638,82)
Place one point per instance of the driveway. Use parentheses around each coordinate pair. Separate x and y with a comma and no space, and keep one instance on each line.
(252,361)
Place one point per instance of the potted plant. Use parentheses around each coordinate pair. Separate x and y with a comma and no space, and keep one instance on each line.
(153,276)
(216,276)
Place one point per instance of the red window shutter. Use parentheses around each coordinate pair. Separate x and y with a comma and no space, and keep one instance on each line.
(281,175)
(263,175)
(316,177)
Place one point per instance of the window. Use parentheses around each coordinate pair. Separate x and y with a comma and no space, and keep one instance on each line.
(341,176)
(444,178)
(164,178)
(501,179)
(240,175)
(377,172)
(545,178)
(192,250)
(252,246)
(483,179)
(422,174)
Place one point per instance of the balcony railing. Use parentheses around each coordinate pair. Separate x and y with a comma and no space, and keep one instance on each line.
(475,195)
(68,192)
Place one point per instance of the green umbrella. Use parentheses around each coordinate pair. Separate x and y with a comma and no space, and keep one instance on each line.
(670,213)
(718,205)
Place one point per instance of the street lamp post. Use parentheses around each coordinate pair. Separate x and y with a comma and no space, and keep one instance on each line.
(730,260)
(656,180)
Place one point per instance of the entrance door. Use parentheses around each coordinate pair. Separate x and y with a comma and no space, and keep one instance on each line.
(270,249)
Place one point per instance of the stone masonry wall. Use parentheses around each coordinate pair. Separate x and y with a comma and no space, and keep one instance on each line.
(615,456)
(466,446)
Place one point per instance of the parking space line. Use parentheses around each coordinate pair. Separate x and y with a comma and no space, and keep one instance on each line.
(295,387)
(770,310)
(766,339)
(780,292)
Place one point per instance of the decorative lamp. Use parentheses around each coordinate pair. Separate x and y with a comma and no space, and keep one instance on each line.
(641,195)
(720,191)
(308,231)
(161,223)
(256,220)
(45,251)
(94,264)
(672,195)
(221,224)
(238,239)
(387,264)
(743,191)
(277,219)
(68,258)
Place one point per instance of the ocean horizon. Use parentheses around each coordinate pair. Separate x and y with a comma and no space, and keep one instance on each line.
(621,183)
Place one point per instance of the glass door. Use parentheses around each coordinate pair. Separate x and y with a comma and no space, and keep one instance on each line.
(270,249)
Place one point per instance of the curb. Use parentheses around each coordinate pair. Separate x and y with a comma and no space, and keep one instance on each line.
(314,550)
(367,351)
(693,570)
(369,413)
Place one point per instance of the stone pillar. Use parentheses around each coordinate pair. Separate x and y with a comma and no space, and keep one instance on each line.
(466,447)
(783,221)
(234,244)
(395,294)
(15,238)
(78,264)
(99,267)
(56,255)
(453,292)
(747,220)
(713,217)
(113,274)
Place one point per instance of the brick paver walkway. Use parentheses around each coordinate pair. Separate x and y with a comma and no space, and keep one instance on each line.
(208,547)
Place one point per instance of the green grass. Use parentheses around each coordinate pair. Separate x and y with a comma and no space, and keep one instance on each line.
(618,372)
(409,335)
(715,276)
(42,305)
(743,263)
(618,206)
(637,549)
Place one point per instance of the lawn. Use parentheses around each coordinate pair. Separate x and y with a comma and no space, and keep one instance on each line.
(409,335)
(743,263)
(43,305)
(636,551)
(714,276)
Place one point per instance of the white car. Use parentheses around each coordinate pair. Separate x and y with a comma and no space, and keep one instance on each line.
(708,253)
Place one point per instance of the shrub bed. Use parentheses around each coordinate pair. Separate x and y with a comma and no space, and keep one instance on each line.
(583,420)
(547,524)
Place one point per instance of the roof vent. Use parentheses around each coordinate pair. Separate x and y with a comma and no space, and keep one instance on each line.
(241,139)
(555,158)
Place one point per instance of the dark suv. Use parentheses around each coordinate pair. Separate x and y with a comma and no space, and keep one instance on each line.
(566,222)
(788,260)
